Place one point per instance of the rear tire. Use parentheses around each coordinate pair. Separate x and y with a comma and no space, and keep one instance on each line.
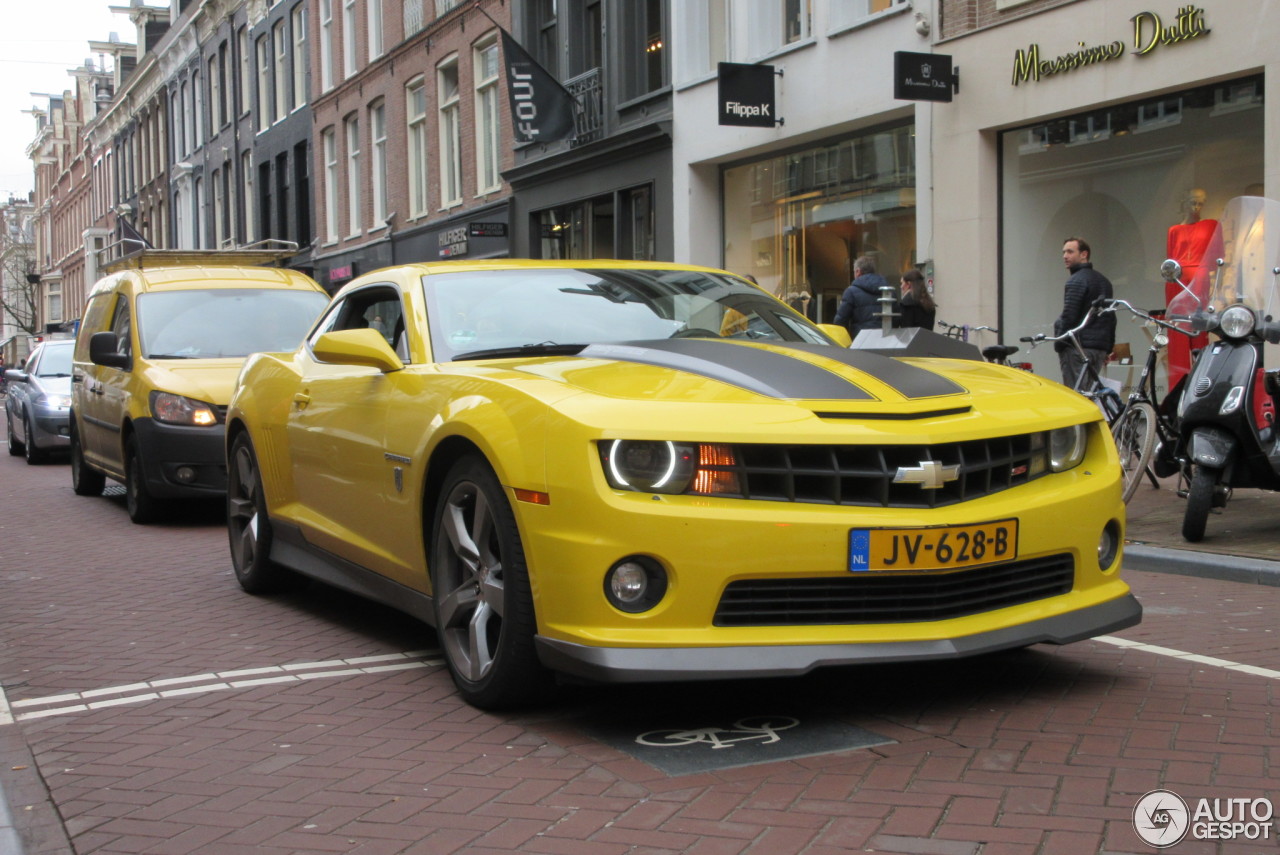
(1199,501)
(480,585)
(248,526)
(1135,435)
(141,505)
(84,481)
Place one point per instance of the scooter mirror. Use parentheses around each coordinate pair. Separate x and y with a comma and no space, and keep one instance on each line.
(1171,270)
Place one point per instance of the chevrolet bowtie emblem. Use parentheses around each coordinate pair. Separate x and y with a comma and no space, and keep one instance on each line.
(930,474)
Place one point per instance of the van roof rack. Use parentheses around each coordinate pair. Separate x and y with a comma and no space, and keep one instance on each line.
(128,254)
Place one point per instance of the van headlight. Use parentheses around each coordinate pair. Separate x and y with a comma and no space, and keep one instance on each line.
(177,410)
(1237,322)
(1067,447)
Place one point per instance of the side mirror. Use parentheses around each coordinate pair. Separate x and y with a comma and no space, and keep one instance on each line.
(364,347)
(104,349)
(1171,270)
(837,332)
(15,375)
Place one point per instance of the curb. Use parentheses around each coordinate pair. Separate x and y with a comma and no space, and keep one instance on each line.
(1207,565)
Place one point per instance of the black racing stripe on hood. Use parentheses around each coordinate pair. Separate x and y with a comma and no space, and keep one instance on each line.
(910,381)
(757,370)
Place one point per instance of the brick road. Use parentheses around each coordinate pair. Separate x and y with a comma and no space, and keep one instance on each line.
(1041,751)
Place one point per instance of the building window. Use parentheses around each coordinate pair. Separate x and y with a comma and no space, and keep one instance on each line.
(375,29)
(705,44)
(486,83)
(219,201)
(281,70)
(329,147)
(645,49)
(416,117)
(216,105)
(348,37)
(545,26)
(197,120)
(246,77)
(849,12)
(53,301)
(352,132)
(246,195)
(378,161)
(299,17)
(774,24)
(265,104)
(413,17)
(201,222)
(326,45)
(450,133)
(613,225)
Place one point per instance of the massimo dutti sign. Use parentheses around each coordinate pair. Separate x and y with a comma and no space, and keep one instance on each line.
(1149,33)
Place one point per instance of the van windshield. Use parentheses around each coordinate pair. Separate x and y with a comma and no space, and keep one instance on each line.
(225,322)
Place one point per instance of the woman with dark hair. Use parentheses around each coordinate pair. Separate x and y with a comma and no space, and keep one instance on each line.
(917,307)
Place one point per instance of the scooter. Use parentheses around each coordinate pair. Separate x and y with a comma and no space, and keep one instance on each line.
(1227,412)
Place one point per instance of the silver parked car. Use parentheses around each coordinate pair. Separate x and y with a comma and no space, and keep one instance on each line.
(38,403)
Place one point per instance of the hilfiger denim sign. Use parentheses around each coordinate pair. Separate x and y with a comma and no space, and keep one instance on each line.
(747,95)
(1149,33)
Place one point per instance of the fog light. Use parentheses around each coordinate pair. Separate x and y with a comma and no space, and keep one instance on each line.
(1109,545)
(185,474)
(635,584)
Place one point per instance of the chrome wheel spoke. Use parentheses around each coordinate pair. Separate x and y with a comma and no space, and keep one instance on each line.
(480,654)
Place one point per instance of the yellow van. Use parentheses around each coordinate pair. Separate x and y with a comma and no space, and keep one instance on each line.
(161,341)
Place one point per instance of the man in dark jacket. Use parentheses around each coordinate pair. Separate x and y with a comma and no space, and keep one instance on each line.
(859,304)
(1083,287)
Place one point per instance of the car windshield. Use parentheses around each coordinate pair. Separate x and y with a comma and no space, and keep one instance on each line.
(225,322)
(507,312)
(55,361)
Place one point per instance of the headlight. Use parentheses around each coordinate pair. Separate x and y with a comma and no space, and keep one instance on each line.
(1237,322)
(1066,447)
(177,410)
(662,466)
(54,402)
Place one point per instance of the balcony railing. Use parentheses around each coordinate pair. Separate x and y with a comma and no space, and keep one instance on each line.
(588,90)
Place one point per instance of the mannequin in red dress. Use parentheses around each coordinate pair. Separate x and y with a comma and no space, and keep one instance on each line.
(1186,245)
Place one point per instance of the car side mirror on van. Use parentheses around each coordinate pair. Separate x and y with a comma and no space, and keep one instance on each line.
(104,349)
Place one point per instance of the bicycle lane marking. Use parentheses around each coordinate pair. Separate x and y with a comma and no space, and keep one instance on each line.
(1197,658)
(172,687)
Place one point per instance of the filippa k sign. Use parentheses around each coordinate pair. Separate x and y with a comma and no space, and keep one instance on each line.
(747,95)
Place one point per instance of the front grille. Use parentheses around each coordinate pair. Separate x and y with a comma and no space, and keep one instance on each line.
(864,474)
(874,598)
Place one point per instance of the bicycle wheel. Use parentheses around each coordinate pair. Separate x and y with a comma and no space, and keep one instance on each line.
(1135,435)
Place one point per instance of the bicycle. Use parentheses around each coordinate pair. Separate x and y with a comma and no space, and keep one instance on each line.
(995,353)
(1088,382)
(1145,420)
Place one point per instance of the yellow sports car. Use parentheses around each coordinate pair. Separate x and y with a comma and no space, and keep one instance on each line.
(628,471)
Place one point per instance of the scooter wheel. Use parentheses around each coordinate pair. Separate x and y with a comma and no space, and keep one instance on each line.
(1199,501)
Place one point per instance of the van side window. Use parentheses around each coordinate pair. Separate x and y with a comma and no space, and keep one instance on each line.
(121,325)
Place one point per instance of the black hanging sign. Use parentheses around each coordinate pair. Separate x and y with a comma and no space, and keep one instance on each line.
(923,76)
(746,95)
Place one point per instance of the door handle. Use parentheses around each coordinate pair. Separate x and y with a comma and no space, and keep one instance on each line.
(301,400)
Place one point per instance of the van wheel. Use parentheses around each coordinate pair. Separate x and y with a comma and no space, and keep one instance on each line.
(248,527)
(141,505)
(84,481)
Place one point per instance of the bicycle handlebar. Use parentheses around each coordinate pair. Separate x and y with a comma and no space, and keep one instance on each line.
(1148,317)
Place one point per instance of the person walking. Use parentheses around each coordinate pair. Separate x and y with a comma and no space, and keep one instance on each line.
(858,305)
(1084,286)
(917,306)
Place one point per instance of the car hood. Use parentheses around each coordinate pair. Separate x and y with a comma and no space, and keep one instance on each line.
(208,380)
(52,385)
(826,381)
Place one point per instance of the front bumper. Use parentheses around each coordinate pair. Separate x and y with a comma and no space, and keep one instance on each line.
(635,665)
(180,461)
(51,429)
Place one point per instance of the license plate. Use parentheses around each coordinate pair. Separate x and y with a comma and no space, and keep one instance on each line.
(942,548)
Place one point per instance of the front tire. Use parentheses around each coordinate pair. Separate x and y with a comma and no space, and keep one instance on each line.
(1199,501)
(484,607)
(34,455)
(141,505)
(1135,436)
(248,527)
(15,448)
(84,481)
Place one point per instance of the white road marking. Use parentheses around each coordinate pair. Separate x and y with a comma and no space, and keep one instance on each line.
(176,687)
(1197,658)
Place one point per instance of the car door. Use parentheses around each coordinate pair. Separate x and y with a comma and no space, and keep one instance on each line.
(104,399)
(342,471)
(19,399)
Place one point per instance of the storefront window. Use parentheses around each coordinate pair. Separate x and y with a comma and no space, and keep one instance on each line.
(1119,177)
(796,222)
(615,225)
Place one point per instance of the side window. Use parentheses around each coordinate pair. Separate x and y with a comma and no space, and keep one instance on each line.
(376,307)
(122,325)
(95,320)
